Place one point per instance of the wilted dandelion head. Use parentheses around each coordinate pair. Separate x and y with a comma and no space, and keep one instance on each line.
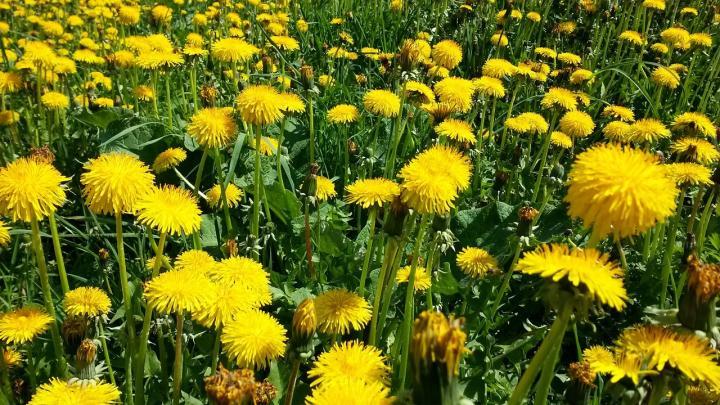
(340,311)
(114,182)
(372,192)
(23,325)
(30,189)
(254,339)
(213,127)
(350,360)
(169,209)
(86,302)
(433,179)
(619,190)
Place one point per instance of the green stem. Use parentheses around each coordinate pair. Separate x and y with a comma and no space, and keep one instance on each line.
(292,382)
(670,249)
(658,391)
(199,174)
(178,364)
(372,215)
(255,231)
(58,254)
(127,304)
(47,297)
(168,99)
(106,352)
(409,295)
(548,347)
(504,286)
(216,350)
(390,252)
(311,127)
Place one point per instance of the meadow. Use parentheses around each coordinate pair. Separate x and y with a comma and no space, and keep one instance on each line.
(359,202)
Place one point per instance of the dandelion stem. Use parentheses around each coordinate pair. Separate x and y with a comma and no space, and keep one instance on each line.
(58,254)
(390,252)
(106,353)
(292,382)
(178,364)
(372,216)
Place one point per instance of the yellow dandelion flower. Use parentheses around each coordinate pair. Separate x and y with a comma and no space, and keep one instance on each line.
(418,92)
(476,262)
(304,320)
(162,14)
(254,339)
(30,189)
(154,60)
(433,179)
(619,112)
(456,130)
(350,360)
(632,37)
(197,261)
(588,269)
(325,188)
(688,173)
(372,192)
(577,124)
(23,325)
(659,48)
(213,127)
(654,4)
(559,97)
(285,43)
(245,273)
(561,140)
(701,39)
(675,35)
(621,191)
(5,233)
(382,102)
(343,114)
(55,100)
(423,281)
(618,365)
(527,123)
(144,93)
(447,54)
(498,68)
(268,145)
(648,130)
(292,103)
(86,301)
(489,87)
(665,77)
(457,92)
(169,209)
(178,291)
(233,50)
(233,196)
(580,76)
(168,159)
(114,182)
(696,149)
(569,58)
(61,392)
(499,39)
(260,105)
(340,311)
(11,358)
(617,131)
(694,123)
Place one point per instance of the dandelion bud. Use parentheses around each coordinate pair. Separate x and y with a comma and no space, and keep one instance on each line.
(501,178)
(309,187)
(395,221)
(307,77)
(103,254)
(208,94)
(267,64)
(304,321)
(527,216)
(74,330)
(352,147)
(697,307)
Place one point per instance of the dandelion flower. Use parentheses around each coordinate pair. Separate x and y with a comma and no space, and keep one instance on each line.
(659,48)
(654,4)
(226,303)
(665,77)
(168,159)
(285,43)
(696,149)
(155,60)
(340,311)
(325,188)
(372,192)
(546,52)
(580,76)
(350,360)
(382,102)
(498,68)
(423,281)
(447,54)
(701,39)
(61,392)
(603,361)
(86,301)
(619,190)
(144,93)
(198,261)
(433,179)
(245,273)
(632,37)
(559,97)
(24,324)
(55,100)
(213,127)
(233,50)
(675,35)
(11,358)
(619,112)
(476,262)
(577,124)
(499,39)
(568,58)
(418,92)
(233,196)
(527,123)
(304,320)
(561,140)
(617,131)
(30,189)
(343,114)
(600,277)
(254,339)
(688,173)
(350,392)
(260,105)
(456,130)
(268,145)
(114,182)
(178,291)
(648,130)
(695,123)
(489,87)
(457,92)
(169,209)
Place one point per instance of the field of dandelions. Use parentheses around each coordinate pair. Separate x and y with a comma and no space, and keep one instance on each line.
(359,202)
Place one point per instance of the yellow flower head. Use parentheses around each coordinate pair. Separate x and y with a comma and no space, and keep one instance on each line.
(340,311)
(433,179)
(233,50)
(5,234)
(260,105)
(372,192)
(30,189)
(619,112)
(694,123)
(197,261)
(489,87)
(11,358)
(285,43)
(498,68)
(350,360)
(588,269)
(665,77)
(620,191)
(654,4)
(560,139)
(56,391)
(178,291)
(701,39)
(292,103)
(86,301)
(254,339)
(447,54)
(456,130)
(457,92)
(423,281)
(304,320)
(213,127)
(675,36)
(560,97)
(527,123)
(569,58)
(168,159)
(382,102)
(228,301)
(233,196)
(696,149)
(577,124)
(632,37)
(476,262)
(688,173)
(647,130)
(325,188)
(169,209)
(418,92)
(114,182)
(268,145)
(245,273)
(55,100)
(24,324)
(343,114)
(618,365)
(350,392)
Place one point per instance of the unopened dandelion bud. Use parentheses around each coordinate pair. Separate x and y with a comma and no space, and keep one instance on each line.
(526,217)
(304,320)
(395,221)
(307,77)
(85,357)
